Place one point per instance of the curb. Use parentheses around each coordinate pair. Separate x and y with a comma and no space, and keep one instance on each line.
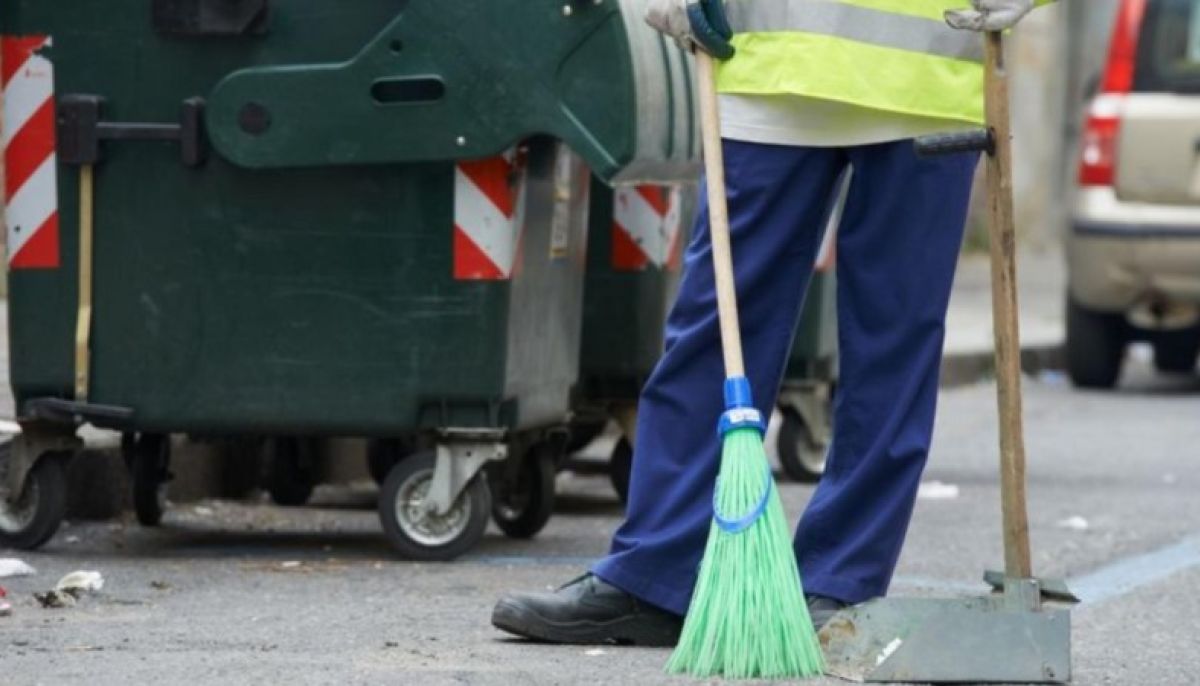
(966,368)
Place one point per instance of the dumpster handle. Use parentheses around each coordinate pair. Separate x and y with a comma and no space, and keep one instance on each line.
(83,324)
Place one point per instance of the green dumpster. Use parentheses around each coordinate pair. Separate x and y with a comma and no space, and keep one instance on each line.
(635,247)
(301,219)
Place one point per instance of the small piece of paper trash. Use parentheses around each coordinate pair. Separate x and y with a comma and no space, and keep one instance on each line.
(594,652)
(1075,523)
(290,564)
(11,566)
(78,583)
(936,490)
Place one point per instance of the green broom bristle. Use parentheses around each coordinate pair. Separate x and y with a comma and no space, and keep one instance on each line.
(748,617)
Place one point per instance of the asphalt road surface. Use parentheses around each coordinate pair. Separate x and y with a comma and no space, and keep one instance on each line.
(244,593)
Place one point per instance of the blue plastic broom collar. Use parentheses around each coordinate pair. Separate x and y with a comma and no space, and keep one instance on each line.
(737,526)
(740,412)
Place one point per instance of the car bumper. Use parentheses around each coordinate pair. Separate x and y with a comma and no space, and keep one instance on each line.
(1120,254)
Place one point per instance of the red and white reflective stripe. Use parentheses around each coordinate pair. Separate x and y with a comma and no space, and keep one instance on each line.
(30,165)
(487,218)
(647,222)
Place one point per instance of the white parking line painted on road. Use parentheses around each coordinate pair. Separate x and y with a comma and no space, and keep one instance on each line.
(1130,574)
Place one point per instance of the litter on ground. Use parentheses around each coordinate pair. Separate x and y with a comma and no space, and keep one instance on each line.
(936,490)
(70,589)
(11,566)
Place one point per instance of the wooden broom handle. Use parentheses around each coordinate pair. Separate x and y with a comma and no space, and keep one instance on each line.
(718,211)
(1017,561)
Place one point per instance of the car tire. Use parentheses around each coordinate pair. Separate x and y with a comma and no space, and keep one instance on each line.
(1176,352)
(1095,348)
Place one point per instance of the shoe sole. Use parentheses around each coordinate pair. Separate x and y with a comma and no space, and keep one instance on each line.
(638,631)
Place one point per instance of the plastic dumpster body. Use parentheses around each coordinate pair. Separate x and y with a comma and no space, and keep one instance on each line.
(635,250)
(243,217)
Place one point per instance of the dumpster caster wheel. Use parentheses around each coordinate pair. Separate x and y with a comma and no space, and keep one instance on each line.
(149,461)
(384,454)
(583,433)
(522,509)
(423,535)
(292,476)
(28,519)
(800,454)
(620,467)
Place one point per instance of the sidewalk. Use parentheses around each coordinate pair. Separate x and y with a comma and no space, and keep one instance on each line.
(1041,283)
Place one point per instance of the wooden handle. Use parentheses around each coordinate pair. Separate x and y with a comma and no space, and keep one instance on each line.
(1017,561)
(718,211)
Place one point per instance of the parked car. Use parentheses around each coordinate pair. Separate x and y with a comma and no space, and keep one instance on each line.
(1133,248)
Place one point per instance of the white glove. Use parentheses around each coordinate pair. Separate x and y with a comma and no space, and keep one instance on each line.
(694,24)
(990,15)
(670,17)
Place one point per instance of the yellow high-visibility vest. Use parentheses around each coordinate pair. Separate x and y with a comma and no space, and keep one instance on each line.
(889,55)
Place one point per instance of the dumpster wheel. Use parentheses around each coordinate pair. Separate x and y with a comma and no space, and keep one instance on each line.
(523,508)
(417,532)
(149,460)
(30,518)
(620,468)
(800,453)
(292,470)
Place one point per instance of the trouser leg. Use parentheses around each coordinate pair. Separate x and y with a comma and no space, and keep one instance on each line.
(898,246)
(779,198)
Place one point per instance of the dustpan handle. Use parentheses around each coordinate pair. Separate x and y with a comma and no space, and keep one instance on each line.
(1004,312)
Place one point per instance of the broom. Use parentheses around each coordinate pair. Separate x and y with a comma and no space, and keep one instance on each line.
(748,617)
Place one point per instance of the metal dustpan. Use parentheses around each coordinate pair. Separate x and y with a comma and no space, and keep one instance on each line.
(1010,637)
(1013,635)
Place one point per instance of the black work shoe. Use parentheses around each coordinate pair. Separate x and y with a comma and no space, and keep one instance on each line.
(822,609)
(586,611)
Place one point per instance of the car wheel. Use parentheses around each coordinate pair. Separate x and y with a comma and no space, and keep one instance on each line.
(1176,352)
(1095,346)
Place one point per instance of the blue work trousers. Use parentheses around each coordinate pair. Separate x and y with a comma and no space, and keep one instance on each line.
(897,247)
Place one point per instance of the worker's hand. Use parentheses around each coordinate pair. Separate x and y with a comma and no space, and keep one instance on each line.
(989,15)
(694,24)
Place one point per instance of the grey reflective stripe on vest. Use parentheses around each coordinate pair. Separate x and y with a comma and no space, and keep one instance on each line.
(830,18)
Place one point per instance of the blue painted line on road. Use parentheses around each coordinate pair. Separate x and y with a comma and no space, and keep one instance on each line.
(1130,574)
(522,561)
(1106,583)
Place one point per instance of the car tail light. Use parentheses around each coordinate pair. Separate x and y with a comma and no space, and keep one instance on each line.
(1098,158)
(1098,152)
